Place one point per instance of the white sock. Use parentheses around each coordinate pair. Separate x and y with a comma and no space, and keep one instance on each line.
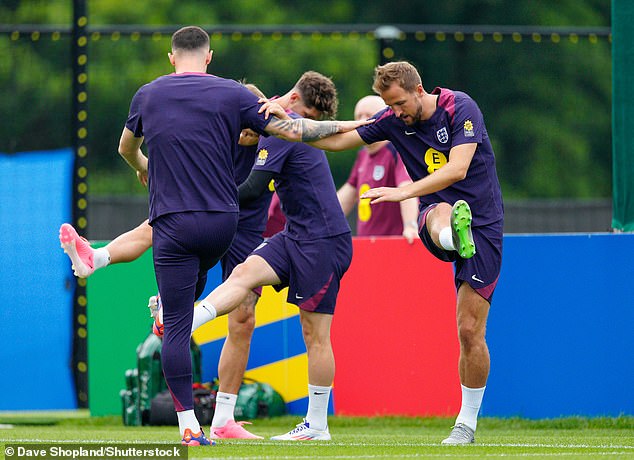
(317,415)
(187,419)
(100,257)
(225,405)
(471,402)
(446,240)
(203,314)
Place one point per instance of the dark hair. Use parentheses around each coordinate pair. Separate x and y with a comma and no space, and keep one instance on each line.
(403,73)
(318,91)
(190,38)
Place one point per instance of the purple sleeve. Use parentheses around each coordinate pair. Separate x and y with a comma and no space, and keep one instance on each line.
(250,117)
(271,156)
(468,123)
(377,131)
(134,122)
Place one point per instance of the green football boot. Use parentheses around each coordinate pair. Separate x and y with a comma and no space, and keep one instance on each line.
(461,229)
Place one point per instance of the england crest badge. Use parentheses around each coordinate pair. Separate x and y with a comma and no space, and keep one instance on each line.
(442,135)
(379,172)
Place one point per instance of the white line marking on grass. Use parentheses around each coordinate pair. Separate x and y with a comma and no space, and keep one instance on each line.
(478,444)
(460,454)
(83,441)
(330,443)
(559,446)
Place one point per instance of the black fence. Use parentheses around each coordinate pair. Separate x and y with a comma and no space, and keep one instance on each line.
(113,215)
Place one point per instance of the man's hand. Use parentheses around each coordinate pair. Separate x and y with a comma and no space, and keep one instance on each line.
(272,108)
(345,126)
(410,233)
(142,176)
(382,194)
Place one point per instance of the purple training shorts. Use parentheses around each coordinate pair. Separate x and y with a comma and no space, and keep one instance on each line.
(312,269)
(482,271)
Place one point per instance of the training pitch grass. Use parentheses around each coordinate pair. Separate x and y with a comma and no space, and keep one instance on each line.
(371,438)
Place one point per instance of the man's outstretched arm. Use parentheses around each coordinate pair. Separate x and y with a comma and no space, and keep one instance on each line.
(309,131)
(305,130)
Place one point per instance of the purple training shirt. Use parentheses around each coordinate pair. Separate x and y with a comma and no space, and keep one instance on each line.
(305,186)
(192,146)
(424,148)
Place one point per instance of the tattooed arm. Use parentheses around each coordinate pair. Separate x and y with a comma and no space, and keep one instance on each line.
(305,130)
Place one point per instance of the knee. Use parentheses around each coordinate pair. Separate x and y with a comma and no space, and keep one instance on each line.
(241,326)
(437,219)
(239,275)
(314,339)
(441,211)
(470,334)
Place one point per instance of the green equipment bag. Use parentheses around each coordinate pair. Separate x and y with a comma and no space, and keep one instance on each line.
(162,410)
(257,400)
(146,381)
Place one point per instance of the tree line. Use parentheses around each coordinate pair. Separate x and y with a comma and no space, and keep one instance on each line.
(547,103)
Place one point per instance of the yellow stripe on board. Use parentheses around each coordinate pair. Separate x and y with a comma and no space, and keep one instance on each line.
(213,330)
(271,307)
(289,377)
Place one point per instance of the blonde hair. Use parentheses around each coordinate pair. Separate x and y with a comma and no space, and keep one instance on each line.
(402,73)
(254,89)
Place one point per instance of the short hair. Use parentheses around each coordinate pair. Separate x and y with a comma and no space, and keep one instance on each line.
(254,89)
(318,91)
(402,73)
(190,38)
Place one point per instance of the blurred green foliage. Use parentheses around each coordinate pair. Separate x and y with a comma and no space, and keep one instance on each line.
(547,104)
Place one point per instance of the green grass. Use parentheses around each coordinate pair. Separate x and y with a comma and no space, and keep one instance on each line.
(372,438)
